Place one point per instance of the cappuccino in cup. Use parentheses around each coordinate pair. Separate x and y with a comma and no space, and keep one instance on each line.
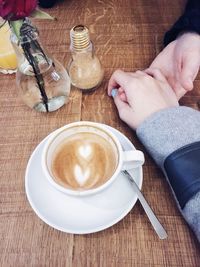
(83,158)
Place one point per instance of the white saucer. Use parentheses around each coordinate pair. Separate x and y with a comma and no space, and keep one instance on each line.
(82,215)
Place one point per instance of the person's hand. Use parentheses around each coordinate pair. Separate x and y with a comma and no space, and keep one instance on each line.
(179,62)
(140,95)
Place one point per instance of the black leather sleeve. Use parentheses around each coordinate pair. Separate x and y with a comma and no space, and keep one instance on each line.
(47,3)
(183,171)
(188,22)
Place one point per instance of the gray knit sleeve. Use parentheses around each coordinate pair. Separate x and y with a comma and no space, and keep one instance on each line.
(163,133)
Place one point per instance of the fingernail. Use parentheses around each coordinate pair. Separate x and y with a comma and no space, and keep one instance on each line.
(114,92)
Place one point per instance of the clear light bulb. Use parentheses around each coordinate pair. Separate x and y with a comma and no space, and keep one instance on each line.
(43,83)
(85,69)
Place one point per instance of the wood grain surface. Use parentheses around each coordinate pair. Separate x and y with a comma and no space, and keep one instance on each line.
(127,34)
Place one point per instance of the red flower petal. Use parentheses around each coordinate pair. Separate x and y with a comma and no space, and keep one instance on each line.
(16,9)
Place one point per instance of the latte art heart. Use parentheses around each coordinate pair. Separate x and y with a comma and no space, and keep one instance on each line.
(81,175)
(84,160)
(85,151)
(82,171)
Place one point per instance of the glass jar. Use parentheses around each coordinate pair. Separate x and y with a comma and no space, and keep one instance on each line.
(43,83)
(8,60)
(85,69)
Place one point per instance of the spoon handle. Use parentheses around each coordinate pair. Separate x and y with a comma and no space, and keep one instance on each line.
(152,217)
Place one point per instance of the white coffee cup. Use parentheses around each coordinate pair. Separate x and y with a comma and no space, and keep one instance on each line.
(84,158)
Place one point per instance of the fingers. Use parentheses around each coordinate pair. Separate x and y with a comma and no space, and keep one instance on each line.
(125,112)
(179,90)
(190,68)
(120,92)
(138,74)
(121,79)
(156,73)
(176,86)
(123,97)
(118,79)
(174,83)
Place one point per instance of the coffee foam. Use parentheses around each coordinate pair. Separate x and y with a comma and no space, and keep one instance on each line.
(85,160)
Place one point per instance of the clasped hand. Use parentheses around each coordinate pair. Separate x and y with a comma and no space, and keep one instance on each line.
(168,78)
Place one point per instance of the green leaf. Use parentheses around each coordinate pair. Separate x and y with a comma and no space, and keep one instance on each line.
(39,14)
(15,26)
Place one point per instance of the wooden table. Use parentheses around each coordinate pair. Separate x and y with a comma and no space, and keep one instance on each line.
(127,34)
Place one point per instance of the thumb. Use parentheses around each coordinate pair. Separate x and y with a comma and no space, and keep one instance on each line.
(189,71)
(126,113)
(157,74)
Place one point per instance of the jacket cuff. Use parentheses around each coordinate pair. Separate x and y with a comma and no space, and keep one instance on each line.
(192,215)
(189,22)
(168,130)
(183,171)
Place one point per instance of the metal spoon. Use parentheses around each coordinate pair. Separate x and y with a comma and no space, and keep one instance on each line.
(152,217)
